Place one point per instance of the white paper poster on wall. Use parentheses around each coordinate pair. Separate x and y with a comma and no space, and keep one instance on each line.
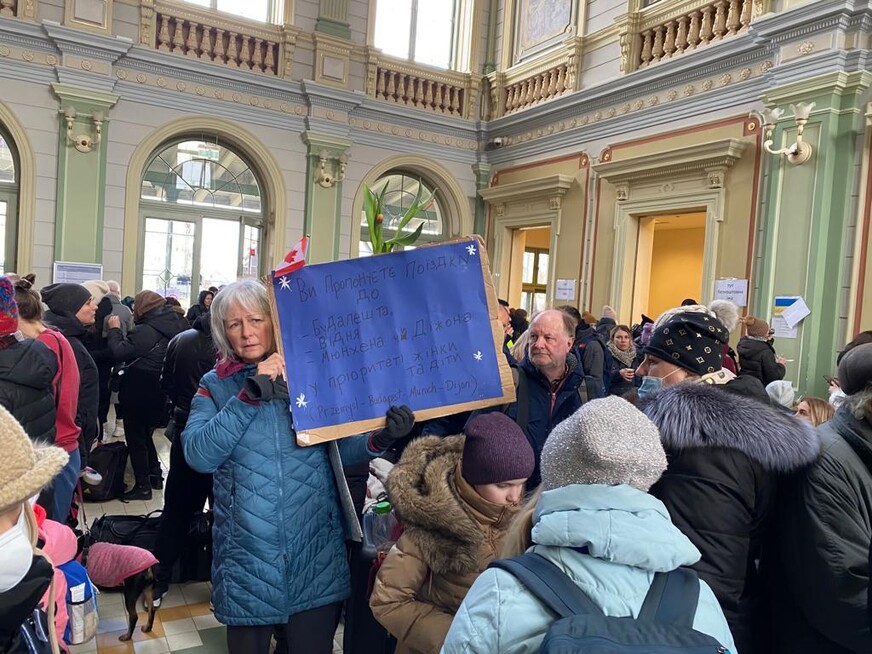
(734,290)
(781,327)
(796,312)
(72,272)
(565,289)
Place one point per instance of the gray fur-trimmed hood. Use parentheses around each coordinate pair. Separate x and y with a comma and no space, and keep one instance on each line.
(702,415)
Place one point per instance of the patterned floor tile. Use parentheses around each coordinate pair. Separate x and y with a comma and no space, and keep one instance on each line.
(180,626)
(184,641)
(158,646)
(169,614)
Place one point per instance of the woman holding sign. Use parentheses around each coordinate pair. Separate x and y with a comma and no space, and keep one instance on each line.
(279,542)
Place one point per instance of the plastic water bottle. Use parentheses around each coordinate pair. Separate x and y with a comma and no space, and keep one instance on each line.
(380,523)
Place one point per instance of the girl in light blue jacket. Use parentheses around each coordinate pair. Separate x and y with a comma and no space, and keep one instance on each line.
(593,518)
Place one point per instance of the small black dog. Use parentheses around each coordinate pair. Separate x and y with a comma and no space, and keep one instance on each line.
(139,585)
(104,560)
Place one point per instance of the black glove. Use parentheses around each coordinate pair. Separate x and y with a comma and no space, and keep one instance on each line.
(262,388)
(399,422)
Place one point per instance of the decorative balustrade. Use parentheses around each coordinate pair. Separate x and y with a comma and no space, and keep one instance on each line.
(405,83)
(538,88)
(209,37)
(539,80)
(664,31)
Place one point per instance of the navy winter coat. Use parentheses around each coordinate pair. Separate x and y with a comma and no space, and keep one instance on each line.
(279,544)
(542,414)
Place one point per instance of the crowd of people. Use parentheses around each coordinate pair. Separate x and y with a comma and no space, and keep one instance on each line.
(636,461)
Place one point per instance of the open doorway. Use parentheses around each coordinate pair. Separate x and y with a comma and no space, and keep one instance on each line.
(669,261)
(530,266)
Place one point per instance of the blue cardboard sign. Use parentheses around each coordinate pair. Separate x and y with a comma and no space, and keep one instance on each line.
(417,328)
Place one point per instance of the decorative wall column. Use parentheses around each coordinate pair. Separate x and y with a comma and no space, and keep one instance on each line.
(809,209)
(83,118)
(326,157)
(482,173)
(333,18)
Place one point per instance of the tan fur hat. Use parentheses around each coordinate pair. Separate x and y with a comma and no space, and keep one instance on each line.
(756,327)
(27,468)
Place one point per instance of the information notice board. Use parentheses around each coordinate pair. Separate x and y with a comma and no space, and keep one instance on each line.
(418,327)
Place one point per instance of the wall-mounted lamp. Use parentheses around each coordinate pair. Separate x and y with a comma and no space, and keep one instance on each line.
(83,142)
(798,152)
(332,170)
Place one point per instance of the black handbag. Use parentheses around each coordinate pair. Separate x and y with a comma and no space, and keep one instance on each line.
(137,530)
(195,560)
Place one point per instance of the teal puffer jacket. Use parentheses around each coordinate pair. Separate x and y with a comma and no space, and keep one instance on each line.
(278,538)
(629,536)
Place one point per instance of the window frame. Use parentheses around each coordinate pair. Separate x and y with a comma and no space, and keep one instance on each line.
(459,55)
(173,211)
(10,192)
(534,287)
(275,11)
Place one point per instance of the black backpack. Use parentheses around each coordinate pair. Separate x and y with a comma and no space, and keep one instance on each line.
(110,460)
(664,625)
(593,340)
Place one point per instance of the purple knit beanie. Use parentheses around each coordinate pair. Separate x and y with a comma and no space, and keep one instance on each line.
(496,450)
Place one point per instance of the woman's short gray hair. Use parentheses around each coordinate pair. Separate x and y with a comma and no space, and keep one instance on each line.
(860,404)
(247,293)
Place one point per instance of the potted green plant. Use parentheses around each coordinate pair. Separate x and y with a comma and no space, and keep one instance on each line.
(373,206)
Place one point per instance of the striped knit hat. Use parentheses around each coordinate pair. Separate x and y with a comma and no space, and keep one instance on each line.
(8,308)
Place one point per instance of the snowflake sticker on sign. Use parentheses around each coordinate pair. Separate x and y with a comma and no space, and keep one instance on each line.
(361,335)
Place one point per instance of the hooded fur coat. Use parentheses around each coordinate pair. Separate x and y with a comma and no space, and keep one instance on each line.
(450,536)
(726,456)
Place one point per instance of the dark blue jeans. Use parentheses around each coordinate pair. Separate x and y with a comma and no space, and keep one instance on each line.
(64,485)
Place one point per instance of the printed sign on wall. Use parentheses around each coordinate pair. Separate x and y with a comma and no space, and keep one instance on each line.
(417,327)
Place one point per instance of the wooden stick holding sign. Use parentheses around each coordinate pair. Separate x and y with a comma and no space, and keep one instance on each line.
(418,327)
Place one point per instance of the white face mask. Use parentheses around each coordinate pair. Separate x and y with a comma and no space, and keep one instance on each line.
(16,554)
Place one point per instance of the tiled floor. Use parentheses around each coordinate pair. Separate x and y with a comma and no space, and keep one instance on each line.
(184,622)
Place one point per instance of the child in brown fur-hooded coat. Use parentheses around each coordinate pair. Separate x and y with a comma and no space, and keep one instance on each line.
(456,498)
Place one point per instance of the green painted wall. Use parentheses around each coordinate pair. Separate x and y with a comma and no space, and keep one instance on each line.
(809,205)
(323,218)
(81,177)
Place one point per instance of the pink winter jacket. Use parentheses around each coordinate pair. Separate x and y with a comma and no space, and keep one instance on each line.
(60,546)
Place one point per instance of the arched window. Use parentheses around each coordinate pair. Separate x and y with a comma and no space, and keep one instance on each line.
(9,180)
(201,208)
(431,32)
(400,190)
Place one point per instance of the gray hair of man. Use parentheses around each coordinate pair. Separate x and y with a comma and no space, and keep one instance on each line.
(860,404)
(569,323)
(247,293)
(114,288)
